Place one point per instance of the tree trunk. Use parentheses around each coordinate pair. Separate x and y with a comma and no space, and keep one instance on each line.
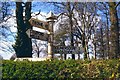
(84,46)
(72,39)
(114,30)
(71,26)
(77,44)
(64,52)
(95,50)
(102,43)
(107,37)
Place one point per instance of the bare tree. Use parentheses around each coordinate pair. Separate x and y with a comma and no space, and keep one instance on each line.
(67,10)
(4,9)
(104,8)
(83,19)
(7,36)
(38,47)
(89,20)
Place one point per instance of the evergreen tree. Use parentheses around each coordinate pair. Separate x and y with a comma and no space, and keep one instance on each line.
(23,45)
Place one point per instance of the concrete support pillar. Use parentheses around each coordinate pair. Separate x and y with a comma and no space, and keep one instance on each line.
(50,20)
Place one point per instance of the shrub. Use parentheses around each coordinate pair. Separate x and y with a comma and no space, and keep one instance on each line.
(61,69)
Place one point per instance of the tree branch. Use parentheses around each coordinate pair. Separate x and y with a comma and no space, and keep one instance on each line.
(117,5)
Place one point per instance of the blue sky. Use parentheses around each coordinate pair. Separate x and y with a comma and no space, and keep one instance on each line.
(38,6)
(43,6)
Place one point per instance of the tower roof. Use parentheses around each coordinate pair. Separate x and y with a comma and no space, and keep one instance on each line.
(50,15)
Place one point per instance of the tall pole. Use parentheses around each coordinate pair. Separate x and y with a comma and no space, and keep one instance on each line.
(50,19)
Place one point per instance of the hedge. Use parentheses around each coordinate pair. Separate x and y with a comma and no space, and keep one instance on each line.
(61,69)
